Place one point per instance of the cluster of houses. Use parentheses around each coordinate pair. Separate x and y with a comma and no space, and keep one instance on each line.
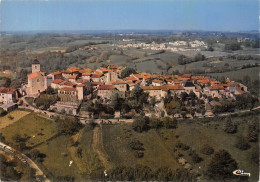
(170,46)
(72,85)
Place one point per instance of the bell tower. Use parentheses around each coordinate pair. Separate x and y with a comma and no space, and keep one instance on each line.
(36,67)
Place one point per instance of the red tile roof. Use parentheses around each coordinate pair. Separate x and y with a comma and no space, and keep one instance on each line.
(57,81)
(233,84)
(34,75)
(116,82)
(81,85)
(73,77)
(172,87)
(56,73)
(157,81)
(239,92)
(151,87)
(203,81)
(96,76)
(186,76)
(216,87)
(5,90)
(86,74)
(106,87)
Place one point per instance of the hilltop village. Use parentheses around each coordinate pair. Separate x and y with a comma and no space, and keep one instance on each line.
(72,88)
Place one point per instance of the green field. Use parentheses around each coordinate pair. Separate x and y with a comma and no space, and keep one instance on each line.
(33,128)
(253,73)
(106,147)
(57,158)
(159,144)
(12,117)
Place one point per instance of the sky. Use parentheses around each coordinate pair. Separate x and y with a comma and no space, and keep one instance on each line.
(71,15)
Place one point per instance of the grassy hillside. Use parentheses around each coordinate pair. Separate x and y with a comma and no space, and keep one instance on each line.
(253,73)
(94,149)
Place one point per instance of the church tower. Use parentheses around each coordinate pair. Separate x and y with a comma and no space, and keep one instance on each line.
(36,67)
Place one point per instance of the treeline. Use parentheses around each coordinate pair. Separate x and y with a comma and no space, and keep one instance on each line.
(186,60)
(243,57)
(242,102)
(144,123)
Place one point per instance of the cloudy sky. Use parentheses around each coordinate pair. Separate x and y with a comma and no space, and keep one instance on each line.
(219,15)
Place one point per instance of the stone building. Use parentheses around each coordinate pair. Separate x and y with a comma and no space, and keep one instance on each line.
(36,67)
(8,95)
(37,81)
(106,91)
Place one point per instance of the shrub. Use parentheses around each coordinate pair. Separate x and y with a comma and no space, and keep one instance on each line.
(10,117)
(221,166)
(136,145)
(252,133)
(196,158)
(207,150)
(139,154)
(229,127)
(141,124)
(182,146)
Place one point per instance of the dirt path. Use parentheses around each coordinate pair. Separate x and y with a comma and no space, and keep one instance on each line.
(97,145)
(73,150)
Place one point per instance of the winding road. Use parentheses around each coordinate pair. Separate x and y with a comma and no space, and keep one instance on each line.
(26,160)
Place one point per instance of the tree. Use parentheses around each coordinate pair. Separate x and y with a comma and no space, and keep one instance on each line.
(2,111)
(11,173)
(207,150)
(221,166)
(34,154)
(192,94)
(199,57)
(7,82)
(127,71)
(181,59)
(141,124)
(51,90)
(183,113)
(45,100)
(232,46)
(137,92)
(184,95)
(136,145)
(210,48)
(252,132)
(228,126)
(152,102)
(68,126)
(115,101)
